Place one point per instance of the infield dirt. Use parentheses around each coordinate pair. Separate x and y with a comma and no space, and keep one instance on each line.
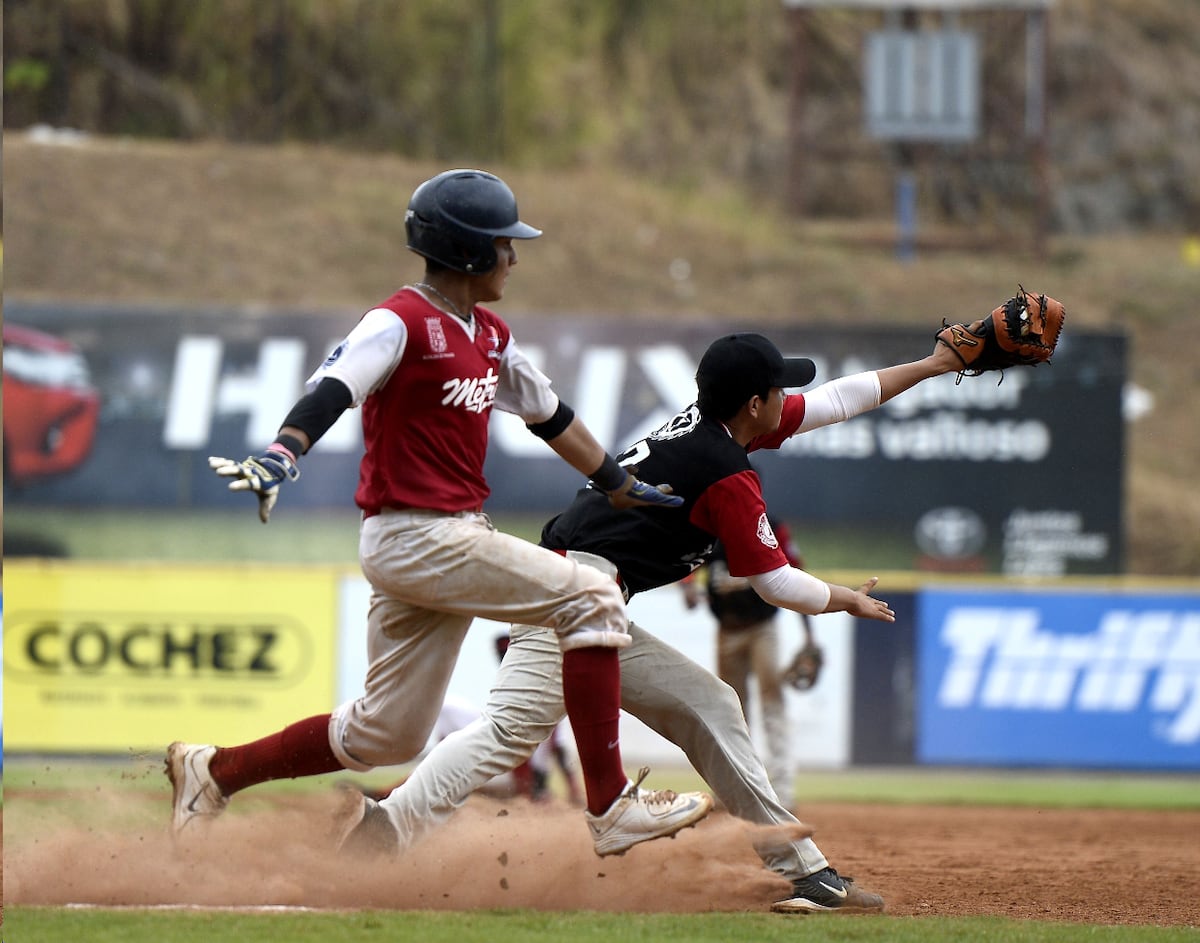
(1018,863)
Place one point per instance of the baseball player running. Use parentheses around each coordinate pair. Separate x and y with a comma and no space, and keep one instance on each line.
(427,366)
(703,452)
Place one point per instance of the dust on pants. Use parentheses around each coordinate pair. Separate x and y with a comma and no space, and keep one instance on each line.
(431,573)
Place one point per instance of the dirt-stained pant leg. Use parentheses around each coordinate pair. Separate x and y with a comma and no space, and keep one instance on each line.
(659,685)
(698,712)
(411,655)
(431,573)
(523,709)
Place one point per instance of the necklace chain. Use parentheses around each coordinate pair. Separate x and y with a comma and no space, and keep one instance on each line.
(455,309)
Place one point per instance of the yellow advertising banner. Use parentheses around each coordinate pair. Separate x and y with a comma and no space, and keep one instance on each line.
(120,658)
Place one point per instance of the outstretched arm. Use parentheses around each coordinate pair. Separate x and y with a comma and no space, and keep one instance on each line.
(578,448)
(850,396)
(790,588)
(308,420)
(859,602)
(897,379)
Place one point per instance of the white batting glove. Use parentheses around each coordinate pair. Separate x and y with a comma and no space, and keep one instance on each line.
(262,474)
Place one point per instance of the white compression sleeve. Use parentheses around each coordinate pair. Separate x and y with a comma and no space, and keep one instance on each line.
(840,399)
(793,589)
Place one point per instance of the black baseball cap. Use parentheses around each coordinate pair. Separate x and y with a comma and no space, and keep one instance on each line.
(738,366)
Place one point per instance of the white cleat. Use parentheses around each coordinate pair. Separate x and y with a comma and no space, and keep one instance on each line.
(196,795)
(639,815)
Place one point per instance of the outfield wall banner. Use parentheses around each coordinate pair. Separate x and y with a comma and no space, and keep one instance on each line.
(1070,679)
(884,685)
(948,468)
(112,659)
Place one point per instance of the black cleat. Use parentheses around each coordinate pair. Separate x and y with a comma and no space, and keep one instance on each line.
(828,892)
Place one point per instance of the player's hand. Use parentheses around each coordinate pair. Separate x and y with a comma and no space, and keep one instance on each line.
(865,606)
(262,474)
(634,494)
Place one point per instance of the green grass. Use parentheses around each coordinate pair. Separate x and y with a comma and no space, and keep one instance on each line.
(297,536)
(984,786)
(1002,787)
(39,925)
(103,535)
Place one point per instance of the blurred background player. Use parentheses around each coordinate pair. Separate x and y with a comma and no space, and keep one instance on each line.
(748,647)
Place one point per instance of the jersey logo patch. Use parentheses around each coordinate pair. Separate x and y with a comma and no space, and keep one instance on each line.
(679,424)
(337,352)
(437,336)
(494,344)
(765,534)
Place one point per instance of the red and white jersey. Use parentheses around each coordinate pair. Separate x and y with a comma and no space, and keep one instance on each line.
(427,383)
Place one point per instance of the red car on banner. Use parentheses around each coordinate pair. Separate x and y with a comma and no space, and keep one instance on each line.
(50,406)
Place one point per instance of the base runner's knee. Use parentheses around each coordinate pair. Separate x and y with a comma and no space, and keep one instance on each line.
(513,731)
(599,619)
(594,614)
(590,638)
(361,745)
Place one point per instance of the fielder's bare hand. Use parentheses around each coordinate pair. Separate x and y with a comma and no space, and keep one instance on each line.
(866,606)
(261,474)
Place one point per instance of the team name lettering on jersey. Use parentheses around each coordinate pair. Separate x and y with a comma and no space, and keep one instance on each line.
(475,394)
(765,534)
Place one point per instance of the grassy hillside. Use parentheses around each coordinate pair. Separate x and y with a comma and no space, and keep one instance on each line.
(317,228)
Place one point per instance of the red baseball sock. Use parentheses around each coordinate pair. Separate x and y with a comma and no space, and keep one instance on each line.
(523,777)
(301,749)
(592,694)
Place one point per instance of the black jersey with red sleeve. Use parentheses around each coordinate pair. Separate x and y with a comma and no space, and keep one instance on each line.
(722,499)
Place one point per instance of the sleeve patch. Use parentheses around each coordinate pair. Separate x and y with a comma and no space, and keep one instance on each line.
(765,534)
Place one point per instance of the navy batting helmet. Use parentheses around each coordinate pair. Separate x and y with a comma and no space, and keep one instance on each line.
(452,219)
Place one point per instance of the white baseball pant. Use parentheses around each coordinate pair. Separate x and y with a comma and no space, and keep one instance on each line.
(431,573)
(661,686)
